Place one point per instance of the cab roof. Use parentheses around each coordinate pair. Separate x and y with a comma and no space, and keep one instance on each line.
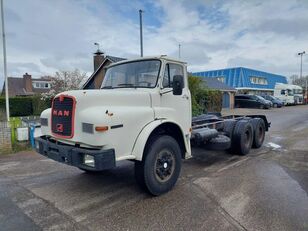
(161,57)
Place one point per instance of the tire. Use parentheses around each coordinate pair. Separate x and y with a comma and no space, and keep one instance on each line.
(91,171)
(161,165)
(229,127)
(220,143)
(261,106)
(242,138)
(258,132)
(275,105)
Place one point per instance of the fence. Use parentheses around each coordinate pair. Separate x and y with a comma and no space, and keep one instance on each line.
(9,139)
(5,138)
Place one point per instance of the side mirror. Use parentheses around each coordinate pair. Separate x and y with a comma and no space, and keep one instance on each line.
(178,84)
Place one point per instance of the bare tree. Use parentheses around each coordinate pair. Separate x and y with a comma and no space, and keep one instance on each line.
(65,81)
(300,81)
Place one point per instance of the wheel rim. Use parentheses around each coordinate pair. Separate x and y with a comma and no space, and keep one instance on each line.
(247,138)
(261,134)
(164,165)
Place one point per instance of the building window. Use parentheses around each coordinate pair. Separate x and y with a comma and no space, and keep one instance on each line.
(42,85)
(258,80)
(221,79)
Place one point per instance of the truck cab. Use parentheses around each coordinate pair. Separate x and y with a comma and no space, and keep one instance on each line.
(139,100)
(284,92)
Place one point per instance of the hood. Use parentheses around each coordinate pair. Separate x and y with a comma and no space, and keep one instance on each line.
(126,109)
(114,97)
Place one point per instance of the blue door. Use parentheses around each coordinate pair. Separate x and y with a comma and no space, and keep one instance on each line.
(226,100)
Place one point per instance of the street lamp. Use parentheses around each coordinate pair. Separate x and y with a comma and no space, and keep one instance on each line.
(141,34)
(5,65)
(301,72)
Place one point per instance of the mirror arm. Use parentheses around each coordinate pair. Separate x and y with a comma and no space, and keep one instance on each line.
(165,92)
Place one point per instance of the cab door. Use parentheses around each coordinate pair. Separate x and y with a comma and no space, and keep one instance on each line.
(175,107)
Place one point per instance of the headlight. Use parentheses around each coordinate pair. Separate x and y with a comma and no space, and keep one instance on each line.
(89,160)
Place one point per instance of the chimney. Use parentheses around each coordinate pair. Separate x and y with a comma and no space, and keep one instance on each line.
(27,82)
(98,58)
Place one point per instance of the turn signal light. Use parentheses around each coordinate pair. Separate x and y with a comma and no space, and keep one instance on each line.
(101,128)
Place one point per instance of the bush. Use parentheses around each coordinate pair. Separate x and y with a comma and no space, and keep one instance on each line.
(203,99)
(25,106)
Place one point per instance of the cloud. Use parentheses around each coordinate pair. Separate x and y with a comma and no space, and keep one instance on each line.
(45,36)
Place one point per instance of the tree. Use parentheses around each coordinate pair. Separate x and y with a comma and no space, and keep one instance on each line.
(300,81)
(65,81)
(203,99)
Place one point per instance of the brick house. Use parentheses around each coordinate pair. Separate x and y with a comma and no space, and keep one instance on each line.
(100,63)
(27,86)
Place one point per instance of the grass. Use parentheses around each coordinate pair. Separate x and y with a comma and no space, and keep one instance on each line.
(21,146)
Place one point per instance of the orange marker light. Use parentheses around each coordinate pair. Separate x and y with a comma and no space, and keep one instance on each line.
(101,128)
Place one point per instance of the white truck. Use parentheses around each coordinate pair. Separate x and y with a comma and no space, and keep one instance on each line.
(290,94)
(141,113)
(298,94)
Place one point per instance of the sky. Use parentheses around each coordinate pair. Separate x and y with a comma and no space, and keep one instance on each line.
(44,36)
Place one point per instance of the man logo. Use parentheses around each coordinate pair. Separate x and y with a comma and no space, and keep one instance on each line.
(65,113)
(59,127)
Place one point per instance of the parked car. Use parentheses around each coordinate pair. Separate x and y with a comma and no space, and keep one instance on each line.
(251,101)
(268,101)
(276,102)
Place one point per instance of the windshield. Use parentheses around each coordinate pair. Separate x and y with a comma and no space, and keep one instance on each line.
(297,91)
(138,74)
(261,98)
(290,92)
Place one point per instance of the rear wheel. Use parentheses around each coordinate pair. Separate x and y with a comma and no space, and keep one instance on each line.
(229,127)
(242,138)
(258,132)
(161,166)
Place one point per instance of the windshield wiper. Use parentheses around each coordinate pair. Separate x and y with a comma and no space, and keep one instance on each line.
(126,85)
(107,87)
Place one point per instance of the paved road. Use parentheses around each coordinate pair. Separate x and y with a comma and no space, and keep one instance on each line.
(266,190)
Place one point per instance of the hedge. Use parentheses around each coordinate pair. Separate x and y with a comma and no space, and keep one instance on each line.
(25,106)
(39,105)
(203,99)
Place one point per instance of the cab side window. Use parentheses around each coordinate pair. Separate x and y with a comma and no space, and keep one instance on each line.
(170,71)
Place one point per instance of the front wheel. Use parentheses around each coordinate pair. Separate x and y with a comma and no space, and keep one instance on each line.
(161,165)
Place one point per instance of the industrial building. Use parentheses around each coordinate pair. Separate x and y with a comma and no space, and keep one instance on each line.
(245,80)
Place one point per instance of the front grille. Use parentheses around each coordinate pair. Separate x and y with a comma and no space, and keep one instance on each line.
(62,117)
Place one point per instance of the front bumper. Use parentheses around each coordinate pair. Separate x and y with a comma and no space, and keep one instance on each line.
(74,156)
